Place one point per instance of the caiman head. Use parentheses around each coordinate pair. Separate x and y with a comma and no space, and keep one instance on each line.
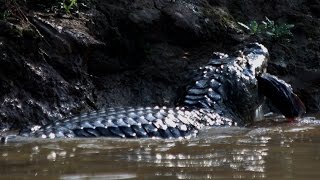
(230,85)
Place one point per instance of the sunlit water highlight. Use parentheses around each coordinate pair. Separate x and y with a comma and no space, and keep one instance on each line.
(265,151)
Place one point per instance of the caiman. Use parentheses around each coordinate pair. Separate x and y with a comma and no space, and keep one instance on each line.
(225,92)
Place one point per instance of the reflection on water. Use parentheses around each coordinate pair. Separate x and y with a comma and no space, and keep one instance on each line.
(280,151)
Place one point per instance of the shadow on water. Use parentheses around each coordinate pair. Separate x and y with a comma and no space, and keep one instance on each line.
(281,151)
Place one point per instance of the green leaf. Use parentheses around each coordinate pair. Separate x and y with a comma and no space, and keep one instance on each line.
(270,33)
(244,26)
(253,26)
(290,26)
(66,8)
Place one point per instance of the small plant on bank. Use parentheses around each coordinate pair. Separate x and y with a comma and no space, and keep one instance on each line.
(269,29)
(69,5)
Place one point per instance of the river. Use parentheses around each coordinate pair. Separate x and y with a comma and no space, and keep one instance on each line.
(274,151)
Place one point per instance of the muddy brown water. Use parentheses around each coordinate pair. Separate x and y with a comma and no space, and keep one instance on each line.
(267,151)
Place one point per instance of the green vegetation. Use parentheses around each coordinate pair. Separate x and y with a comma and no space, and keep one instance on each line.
(68,5)
(269,29)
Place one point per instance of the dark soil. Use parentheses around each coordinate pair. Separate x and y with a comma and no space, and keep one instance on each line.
(137,53)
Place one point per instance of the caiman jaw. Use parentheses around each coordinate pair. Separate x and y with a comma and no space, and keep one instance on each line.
(281,95)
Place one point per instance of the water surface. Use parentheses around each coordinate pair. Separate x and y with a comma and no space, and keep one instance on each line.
(266,151)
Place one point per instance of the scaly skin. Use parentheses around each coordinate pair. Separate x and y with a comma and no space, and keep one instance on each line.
(134,122)
(224,93)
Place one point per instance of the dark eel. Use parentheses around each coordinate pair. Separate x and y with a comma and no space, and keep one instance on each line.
(225,92)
